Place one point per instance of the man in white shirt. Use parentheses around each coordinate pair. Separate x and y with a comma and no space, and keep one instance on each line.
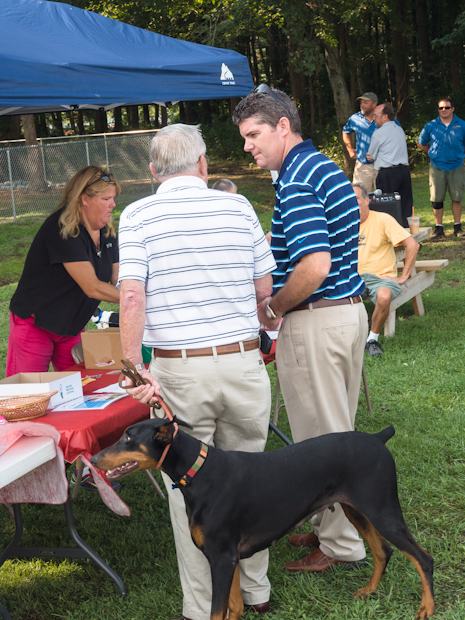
(194,264)
(388,150)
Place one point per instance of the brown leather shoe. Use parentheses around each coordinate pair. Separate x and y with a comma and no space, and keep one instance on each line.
(304,540)
(259,608)
(318,562)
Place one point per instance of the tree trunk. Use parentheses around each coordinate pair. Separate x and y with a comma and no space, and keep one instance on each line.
(34,160)
(58,123)
(312,105)
(118,119)
(157,116)
(145,109)
(254,59)
(295,77)
(71,121)
(340,94)
(402,77)
(80,123)
(98,122)
(41,125)
(455,49)
(134,117)
(424,44)
(164,116)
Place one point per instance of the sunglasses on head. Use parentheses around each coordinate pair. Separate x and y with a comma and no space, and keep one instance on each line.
(266,90)
(444,107)
(106,176)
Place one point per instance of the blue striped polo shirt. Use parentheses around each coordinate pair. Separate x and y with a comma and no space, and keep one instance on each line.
(316,211)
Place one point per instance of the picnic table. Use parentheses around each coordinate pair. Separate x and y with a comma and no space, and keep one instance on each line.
(422,276)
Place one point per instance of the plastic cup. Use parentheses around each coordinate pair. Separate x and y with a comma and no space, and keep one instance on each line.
(414,224)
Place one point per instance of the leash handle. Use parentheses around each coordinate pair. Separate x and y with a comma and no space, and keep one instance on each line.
(129,370)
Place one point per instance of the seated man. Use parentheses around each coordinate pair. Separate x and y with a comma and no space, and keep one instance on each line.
(379,233)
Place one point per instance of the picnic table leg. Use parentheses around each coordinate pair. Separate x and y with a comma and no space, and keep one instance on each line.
(390,325)
(417,301)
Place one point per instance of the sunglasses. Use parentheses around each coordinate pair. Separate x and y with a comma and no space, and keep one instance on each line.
(444,107)
(266,90)
(107,177)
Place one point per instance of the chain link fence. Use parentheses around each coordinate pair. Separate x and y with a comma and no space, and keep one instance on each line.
(32,177)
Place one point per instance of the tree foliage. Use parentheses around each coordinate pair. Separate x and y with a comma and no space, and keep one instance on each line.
(324,53)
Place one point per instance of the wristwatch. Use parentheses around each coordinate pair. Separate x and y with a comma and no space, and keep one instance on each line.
(139,366)
(269,312)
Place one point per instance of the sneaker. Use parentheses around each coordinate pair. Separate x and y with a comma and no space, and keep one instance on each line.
(458,232)
(438,234)
(88,482)
(372,348)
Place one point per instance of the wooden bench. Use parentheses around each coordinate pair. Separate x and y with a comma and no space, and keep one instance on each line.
(422,276)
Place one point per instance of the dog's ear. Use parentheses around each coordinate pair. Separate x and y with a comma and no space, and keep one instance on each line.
(181,423)
(164,433)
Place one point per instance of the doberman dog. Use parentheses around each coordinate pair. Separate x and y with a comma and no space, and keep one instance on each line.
(239,503)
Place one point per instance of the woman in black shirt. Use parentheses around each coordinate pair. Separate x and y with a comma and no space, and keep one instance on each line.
(71,266)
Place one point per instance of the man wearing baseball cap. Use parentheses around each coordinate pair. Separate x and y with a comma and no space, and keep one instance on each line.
(362,124)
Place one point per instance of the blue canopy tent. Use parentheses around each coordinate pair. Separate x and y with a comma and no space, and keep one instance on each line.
(54,56)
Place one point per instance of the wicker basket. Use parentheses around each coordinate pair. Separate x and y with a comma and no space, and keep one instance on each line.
(28,407)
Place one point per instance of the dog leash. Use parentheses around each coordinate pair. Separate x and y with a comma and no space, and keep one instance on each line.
(129,370)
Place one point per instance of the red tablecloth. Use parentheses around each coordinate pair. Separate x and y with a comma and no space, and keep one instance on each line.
(88,432)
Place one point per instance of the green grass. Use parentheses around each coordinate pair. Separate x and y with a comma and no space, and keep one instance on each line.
(418,387)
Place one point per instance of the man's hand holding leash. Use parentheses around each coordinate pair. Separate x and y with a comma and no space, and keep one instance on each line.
(146,388)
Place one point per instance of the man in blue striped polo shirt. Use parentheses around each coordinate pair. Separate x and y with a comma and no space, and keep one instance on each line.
(316,288)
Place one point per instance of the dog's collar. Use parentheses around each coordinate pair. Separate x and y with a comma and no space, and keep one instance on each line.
(165,451)
(187,478)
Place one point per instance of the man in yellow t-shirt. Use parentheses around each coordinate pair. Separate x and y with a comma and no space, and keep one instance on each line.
(379,233)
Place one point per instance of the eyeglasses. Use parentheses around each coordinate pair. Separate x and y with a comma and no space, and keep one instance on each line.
(266,90)
(379,115)
(444,107)
(107,177)
(207,159)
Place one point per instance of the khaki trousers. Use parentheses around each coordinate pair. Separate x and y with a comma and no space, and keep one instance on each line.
(365,174)
(319,357)
(227,400)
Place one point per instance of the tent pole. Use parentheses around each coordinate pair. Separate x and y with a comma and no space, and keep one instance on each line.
(43,159)
(151,175)
(106,151)
(87,153)
(11,184)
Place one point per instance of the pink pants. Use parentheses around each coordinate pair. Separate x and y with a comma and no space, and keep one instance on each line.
(31,348)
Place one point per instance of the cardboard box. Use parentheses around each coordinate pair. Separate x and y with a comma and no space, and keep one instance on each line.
(67,384)
(102,349)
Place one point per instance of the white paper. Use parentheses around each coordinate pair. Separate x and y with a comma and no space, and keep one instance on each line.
(114,388)
(91,401)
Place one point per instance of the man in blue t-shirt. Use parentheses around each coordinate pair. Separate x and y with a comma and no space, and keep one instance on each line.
(316,288)
(443,140)
(363,125)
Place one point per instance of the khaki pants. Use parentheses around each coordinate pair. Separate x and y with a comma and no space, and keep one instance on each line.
(365,174)
(319,357)
(227,400)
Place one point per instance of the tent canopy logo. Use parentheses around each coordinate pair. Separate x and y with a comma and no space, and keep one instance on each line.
(227,77)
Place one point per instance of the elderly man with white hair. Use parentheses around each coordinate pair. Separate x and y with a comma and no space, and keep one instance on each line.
(194,264)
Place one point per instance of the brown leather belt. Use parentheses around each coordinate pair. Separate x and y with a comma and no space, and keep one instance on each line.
(249,345)
(326,303)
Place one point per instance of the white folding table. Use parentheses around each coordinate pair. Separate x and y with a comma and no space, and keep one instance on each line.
(25,455)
